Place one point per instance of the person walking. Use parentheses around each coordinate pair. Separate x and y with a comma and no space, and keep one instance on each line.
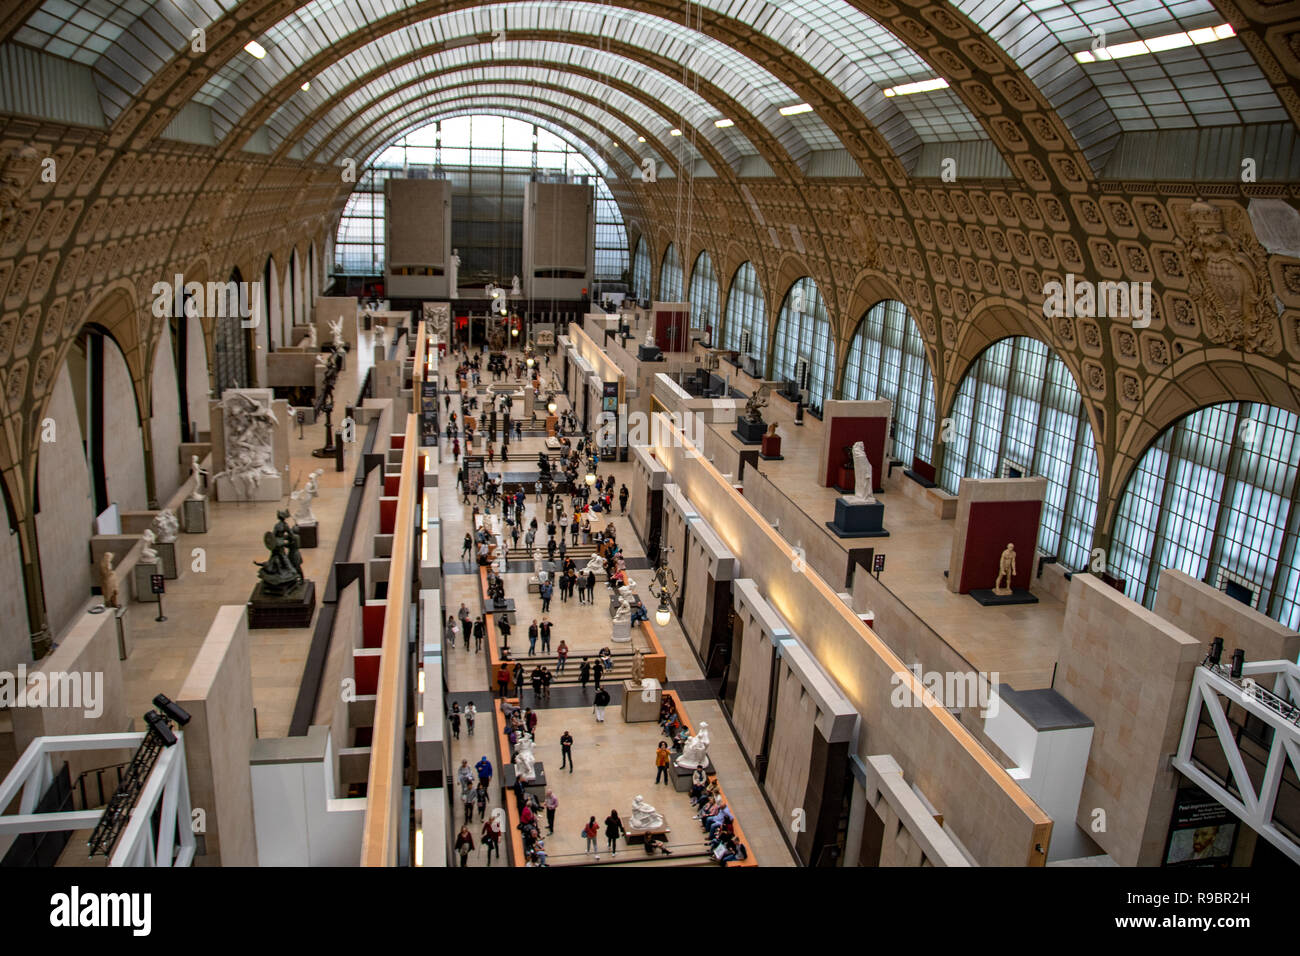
(591,831)
(546,590)
(451,633)
(490,838)
(464,844)
(481,799)
(623,495)
(471,712)
(466,547)
(547,677)
(597,671)
(591,587)
(468,799)
(566,750)
(584,674)
(463,614)
(465,776)
(503,680)
(663,758)
(519,679)
(535,678)
(503,628)
(550,804)
(454,717)
(601,702)
(561,654)
(544,629)
(613,830)
(484,768)
(532,637)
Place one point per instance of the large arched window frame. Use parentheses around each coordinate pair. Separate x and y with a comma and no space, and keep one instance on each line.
(803,330)
(1019,410)
(1217,496)
(703,294)
(746,312)
(670,276)
(886,359)
(641,270)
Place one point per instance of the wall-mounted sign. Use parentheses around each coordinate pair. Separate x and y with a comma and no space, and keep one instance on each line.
(609,397)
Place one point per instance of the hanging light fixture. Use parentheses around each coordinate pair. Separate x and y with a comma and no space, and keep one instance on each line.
(551,406)
(664,585)
(662,615)
(529,362)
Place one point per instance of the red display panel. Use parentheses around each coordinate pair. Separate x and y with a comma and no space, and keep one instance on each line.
(992,525)
(846,430)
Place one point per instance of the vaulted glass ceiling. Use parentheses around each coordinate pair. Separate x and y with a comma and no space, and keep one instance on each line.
(668,49)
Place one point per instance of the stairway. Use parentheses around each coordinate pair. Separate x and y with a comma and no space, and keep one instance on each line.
(620,671)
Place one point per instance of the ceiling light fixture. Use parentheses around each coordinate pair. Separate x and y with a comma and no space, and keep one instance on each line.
(795,110)
(1170,41)
(724,123)
(920,86)
(640,139)
(674,132)
(255,48)
(306,86)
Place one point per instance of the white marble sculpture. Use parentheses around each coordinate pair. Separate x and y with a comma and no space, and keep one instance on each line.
(1006,570)
(147,554)
(303,496)
(623,614)
(644,816)
(108,580)
(250,441)
(514,286)
(595,564)
(638,668)
(696,752)
(197,472)
(862,477)
(525,762)
(311,337)
(336,334)
(650,338)
(165,526)
(453,272)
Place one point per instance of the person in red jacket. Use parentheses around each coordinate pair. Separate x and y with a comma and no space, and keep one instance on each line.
(464,844)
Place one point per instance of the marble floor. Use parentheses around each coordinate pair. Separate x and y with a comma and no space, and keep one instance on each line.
(161,654)
(1020,642)
(615,759)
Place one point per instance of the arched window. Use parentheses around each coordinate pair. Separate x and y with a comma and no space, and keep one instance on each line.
(1018,412)
(745,329)
(887,360)
(670,276)
(803,332)
(641,270)
(1216,496)
(704,294)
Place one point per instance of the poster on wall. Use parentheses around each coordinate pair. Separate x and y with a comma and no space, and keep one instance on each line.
(428,413)
(474,474)
(609,397)
(1202,831)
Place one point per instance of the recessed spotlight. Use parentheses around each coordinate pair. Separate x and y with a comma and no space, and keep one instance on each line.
(724,123)
(921,86)
(795,110)
(255,48)
(1170,41)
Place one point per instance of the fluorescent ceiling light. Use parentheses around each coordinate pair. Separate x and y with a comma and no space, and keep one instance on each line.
(255,48)
(1170,41)
(306,86)
(795,110)
(723,123)
(674,132)
(920,86)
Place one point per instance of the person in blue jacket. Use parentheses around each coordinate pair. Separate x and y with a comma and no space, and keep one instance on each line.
(484,768)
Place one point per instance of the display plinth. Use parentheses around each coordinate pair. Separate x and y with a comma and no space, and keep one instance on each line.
(307,537)
(140,577)
(649,353)
(858,519)
(294,609)
(635,837)
(167,556)
(641,704)
(990,598)
(750,433)
(919,479)
(682,776)
(536,786)
(506,607)
(621,632)
(194,516)
(260,488)
(771,448)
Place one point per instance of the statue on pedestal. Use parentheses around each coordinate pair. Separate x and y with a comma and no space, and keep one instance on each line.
(336,335)
(644,816)
(638,668)
(1006,570)
(165,525)
(525,762)
(147,554)
(197,472)
(281,573)
(649,338)
(304,495)
(108,580)
(594,564)
(862,476)
(453,273)
(755,404)
(514,286)
(311,337)
(696,752)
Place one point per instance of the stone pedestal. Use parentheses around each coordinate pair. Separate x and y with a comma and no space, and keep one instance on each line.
(649,353)
(292,610)
(750,433)
(194,516)
(307,537)
(858,519)
(641,704)
(635,837)
(167,556)
(551,423)
(536,786)
(990,597)
(140,578)
(771,448)
(622,632)
(259,488)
